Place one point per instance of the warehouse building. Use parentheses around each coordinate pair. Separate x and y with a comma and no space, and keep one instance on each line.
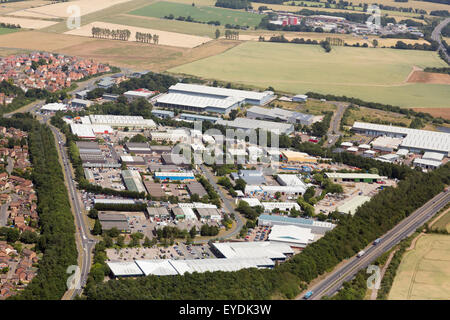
(138,147)
(133,160)
(197,117)
(317,227)
(114,201)
(427,163)
(114,220)
(414,140)
(386,144)
(160,212)
(352,205)
(92,158)
(80,103)
(140,93)
(171,159)
(169,136)
(209,214)
(254,190)
(252,202)
(169,267)
(284,206)
(174,176)
(197,103)
(53,107)
(163,114)
(295,156)
(122,121)
(354,177)
(195,187)
(133,181)
(250,97)
(290,180)
(161,149)
(251,177)
(263,249)
(154,189)
(252,124)
(89,131)
(300,98)
(293,236)
(256,112)
(110,97)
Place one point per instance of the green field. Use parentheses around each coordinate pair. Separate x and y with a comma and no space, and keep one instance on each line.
(7,30)
(370,74)
(202,13)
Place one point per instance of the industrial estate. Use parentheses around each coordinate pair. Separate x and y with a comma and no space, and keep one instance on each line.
(225,170)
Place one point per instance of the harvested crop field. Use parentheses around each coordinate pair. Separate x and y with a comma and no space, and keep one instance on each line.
(60,9)
(132,55)
(165,37)
(429,77)
(28,23)
(424,273)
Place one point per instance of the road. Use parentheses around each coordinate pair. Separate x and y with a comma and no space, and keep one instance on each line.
(436,35)
(226,201)
(334,132)
(332,283)
(83,232)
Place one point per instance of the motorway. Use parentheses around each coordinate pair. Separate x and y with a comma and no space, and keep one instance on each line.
(333,282)
(436,34)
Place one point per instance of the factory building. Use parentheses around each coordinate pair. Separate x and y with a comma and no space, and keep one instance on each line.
(80,103)
(414,140)
(256,112)
(53,107)
(253,124)
(163,114)
(317,227)
(138,148)
(140,93)
(251,177)
(197,117)
(295,156)
(290,180)
(294,236)
(272,190)
(354,177)
(198,103)
(174,176)
(249,97)
(132,180)
(133,160)
(284,206)
(121,121)
(154,189)
(88,131)
(160,212)
(263,249)
(114,220)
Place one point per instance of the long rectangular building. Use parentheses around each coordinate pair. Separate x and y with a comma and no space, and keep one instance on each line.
(256,112)
(250,97)
(354,177)
(252,124)
(414,140)
(198,103)
(317,227)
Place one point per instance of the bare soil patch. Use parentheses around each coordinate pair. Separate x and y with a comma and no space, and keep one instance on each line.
(429,77)
(28,23)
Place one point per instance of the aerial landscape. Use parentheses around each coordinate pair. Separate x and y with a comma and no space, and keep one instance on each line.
(193,150)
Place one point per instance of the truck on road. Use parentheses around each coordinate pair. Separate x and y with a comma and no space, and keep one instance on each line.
(361,253)
(377,241)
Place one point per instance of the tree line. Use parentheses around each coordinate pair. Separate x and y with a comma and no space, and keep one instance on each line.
(231,35)
(56,222)
(147,37)
(106,33)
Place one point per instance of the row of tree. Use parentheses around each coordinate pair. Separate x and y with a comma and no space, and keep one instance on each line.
(231,35)
(106,33)
(147,37)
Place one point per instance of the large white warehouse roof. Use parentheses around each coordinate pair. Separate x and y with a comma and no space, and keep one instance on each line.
(291,234)
(189,100)
(263,249)
(224,92)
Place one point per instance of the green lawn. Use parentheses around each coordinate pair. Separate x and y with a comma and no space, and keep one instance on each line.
(199,13)
(371,74)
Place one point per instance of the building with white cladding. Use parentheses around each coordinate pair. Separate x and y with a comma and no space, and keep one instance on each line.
(120,121)
(167,267)
(246,125)
(272,190)
(317,227)
(290,180)
(197,103)
(250,97)
(414,140)
(294,236)
(262,249)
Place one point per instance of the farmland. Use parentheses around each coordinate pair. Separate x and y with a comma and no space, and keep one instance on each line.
(424,271)
(7,30)
(203,14)
(370,74)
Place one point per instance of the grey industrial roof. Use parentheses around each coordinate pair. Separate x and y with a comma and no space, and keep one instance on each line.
(252,177)
(279,113)
(245,123)
(198,116)
(195,187)
(195,88)
(87,145)
(111,217)
(121,269)
(160,211)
